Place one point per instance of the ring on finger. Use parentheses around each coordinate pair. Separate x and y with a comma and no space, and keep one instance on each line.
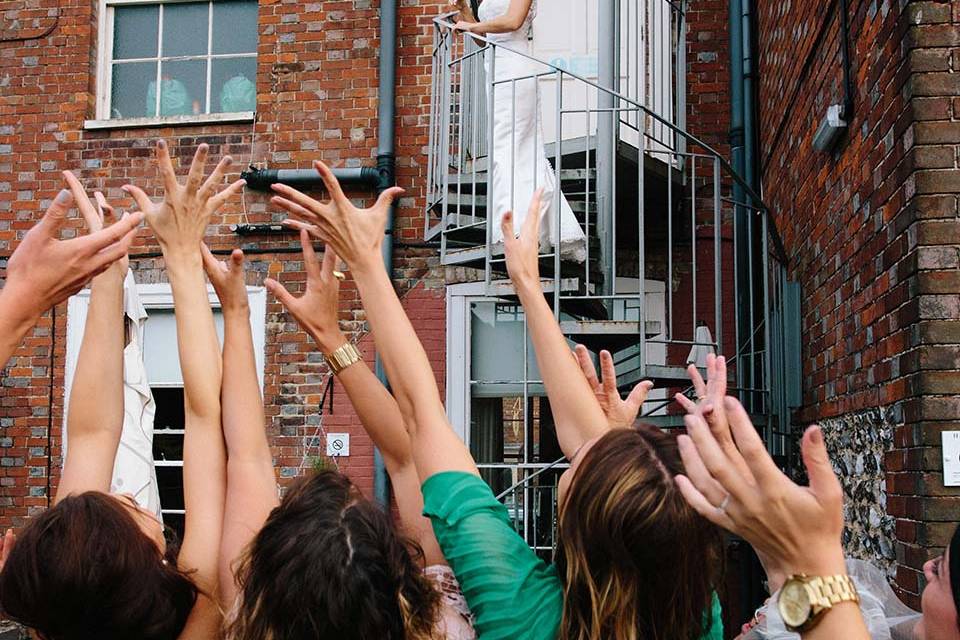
(723,505)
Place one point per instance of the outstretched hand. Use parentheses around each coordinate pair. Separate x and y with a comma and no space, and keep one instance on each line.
(710,396)
(44,270)
(226,276)
(523,253)
(795,529)
(355,234)
(180,220)
(96,216)
(621,413)
(316,309)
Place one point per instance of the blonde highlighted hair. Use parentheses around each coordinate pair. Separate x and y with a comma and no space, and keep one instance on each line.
(637,562)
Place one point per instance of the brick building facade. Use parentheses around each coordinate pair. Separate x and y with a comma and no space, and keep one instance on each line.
(316,78)
(870,228)
(872,232)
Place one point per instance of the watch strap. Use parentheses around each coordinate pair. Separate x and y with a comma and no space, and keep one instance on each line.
(831,590)
(825,592)
(343,357)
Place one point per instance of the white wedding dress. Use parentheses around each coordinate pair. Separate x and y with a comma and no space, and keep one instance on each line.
(519,171)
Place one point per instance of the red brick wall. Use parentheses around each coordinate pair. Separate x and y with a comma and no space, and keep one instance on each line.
(871,229)
(317,97)
(708,73)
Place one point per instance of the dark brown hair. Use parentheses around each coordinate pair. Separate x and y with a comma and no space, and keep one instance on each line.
(329,564)
(636,560)
(84,569)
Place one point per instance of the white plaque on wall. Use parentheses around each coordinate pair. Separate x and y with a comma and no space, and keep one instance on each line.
(951,458)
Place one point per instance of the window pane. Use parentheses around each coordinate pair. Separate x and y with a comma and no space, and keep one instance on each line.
(174,522)
(161,358)
(501,369)
(168,447)
(185,29)
(169,407)
(183,87)
(235,26)
(131,84)
(233,85)
(135,32)
(170,482)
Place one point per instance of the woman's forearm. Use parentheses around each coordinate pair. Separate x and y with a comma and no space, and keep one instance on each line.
(408,368)
(204,452)
(15,323)
(251,482)
(241,402)
(435,447)
(377,409)
(501,24)
(197,341)
(576,411)
(95,415)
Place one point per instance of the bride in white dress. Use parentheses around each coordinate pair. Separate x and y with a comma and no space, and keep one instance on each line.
(518,172)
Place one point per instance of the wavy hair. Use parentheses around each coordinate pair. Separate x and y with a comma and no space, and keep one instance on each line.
(637,561)
(329,564)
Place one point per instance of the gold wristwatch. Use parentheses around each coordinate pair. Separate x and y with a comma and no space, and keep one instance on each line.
(342,357)
(804,599)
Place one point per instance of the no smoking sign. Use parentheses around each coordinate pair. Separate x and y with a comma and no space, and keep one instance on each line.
(338,444)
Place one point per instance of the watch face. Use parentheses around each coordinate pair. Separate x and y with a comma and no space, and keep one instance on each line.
(794,603)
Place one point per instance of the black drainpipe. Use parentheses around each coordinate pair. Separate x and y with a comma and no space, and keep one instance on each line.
(847,114)
(379,178)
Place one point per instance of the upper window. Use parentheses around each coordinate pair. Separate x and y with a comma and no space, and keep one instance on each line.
(168,59)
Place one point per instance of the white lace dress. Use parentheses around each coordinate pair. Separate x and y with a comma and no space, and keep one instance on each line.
(456,621)
(519,161)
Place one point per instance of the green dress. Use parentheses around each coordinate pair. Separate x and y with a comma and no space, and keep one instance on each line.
(511,592)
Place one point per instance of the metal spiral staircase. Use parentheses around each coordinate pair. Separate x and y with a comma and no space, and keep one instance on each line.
(682,255)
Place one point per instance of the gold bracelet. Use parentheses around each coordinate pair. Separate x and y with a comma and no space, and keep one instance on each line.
(343,357)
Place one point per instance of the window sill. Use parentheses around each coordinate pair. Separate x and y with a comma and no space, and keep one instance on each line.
(169,121)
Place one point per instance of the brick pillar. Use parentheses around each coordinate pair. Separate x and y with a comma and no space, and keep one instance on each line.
(928,224)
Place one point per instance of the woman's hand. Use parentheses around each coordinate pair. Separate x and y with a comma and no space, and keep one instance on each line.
(523,252)
(227,279)
(463,25)
(180,220)
(355,234)
(795,528)
(620,413)
(316,309)
(44,271)
(710,396)
(96,216)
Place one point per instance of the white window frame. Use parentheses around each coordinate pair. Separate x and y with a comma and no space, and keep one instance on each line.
(156,296)
(105,72)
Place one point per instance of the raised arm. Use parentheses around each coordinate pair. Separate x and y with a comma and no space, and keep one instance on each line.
(578,414)
(180,222)
(95,415)
(251,483)
(44,271)
(356,235)
(316,311)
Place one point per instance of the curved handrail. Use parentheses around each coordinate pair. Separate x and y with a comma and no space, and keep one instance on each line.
(442,22)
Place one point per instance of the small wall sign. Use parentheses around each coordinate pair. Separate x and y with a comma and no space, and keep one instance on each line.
(338,445)
(951,458)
